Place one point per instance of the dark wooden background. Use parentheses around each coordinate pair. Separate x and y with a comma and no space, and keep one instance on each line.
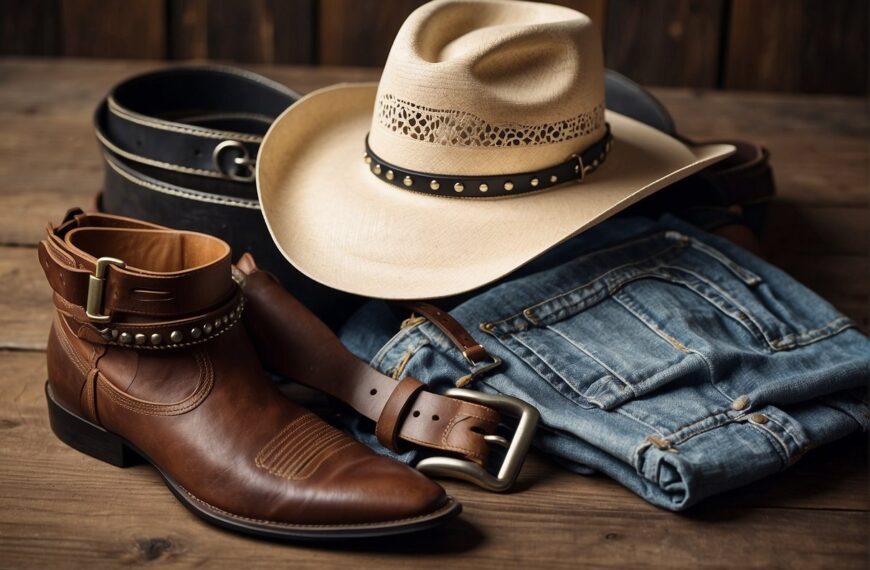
(808,46)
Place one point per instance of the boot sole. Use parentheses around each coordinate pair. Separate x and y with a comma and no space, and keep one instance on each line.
(92,440)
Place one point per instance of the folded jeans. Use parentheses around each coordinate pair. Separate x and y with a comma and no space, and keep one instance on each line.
(666,357)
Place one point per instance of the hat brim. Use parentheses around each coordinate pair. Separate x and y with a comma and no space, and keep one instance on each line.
(340,225)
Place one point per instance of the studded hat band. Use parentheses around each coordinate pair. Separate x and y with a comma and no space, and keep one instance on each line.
(575,168)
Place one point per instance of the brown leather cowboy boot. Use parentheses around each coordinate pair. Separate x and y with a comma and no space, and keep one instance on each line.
(147,360)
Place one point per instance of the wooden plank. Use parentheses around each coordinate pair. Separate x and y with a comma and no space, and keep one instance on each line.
(817,143)
(798,45)
(359,32)
(116,28)
(263,31)
(28,27)
(57,505)
(26,300)
(665,42)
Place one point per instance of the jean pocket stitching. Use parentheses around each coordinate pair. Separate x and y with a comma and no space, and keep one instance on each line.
(579,399)
(750,323)
(609,370)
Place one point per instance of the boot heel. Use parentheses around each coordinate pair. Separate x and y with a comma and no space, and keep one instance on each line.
(88,438)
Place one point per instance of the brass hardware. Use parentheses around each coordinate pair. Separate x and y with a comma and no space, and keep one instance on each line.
(534,182)
(407,181)
(434,185)
(390,175)
(483,188)
(96,286)
(517,447)
(554,179)
(376,169)
(508,185)
(459,187)
(367,159)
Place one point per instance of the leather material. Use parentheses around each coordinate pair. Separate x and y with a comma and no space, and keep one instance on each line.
(292,342)
(575,168)
(180,148)
(206,414)
(461,338)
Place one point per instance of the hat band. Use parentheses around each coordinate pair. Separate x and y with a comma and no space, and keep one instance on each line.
(575,168)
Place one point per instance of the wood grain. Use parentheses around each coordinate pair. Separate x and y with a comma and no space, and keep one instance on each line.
(665,42)
(122,28)
(264,31)
(58,506)
(29,27)
(798,45)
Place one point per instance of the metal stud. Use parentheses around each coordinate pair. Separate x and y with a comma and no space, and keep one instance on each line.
(758,419)
(390,175)
(156,339)
(508,185)
(225,319)
(196,332)
(376,169)
(125,338)
(176,336)
(534,182)
(218,322)
(459,187)
(554,179)
(207,328)
(434,185)
(595,163)
(140,338)
(114,333)
(407,181)
(368,159)
(483,187)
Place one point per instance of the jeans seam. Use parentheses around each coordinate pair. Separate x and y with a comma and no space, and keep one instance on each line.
(589,283)
(562,378)
(703,358)
(597,361)
(778,445)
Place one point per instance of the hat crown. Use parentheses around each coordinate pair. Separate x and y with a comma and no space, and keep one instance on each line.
(485,87)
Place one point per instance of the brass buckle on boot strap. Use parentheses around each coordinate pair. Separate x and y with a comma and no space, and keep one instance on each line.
(517,447)
(96,287)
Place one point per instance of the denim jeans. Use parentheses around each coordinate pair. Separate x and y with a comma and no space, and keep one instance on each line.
(668,358)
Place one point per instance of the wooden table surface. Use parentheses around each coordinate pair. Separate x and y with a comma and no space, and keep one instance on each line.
(59,508)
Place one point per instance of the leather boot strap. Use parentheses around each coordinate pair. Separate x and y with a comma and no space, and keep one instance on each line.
(91,263)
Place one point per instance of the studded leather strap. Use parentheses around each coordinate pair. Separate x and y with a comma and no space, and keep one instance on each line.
(573,169)
(175,289)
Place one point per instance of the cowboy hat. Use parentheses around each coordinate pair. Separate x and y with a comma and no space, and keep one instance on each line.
(485,143)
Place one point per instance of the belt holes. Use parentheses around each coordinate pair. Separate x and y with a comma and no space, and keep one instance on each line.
(435,418)
(416,413)
(373,391)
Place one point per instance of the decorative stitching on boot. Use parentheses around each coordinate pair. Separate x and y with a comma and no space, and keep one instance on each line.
(301,447)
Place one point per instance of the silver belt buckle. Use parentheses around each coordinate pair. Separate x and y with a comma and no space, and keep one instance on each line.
(517,447)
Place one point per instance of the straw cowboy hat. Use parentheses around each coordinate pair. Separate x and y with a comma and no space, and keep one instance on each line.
(485,143)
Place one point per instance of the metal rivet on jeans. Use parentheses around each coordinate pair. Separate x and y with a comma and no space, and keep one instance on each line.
(759,419)
(740,403)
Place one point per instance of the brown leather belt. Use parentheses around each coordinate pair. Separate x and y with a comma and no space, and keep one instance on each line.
(464,423)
